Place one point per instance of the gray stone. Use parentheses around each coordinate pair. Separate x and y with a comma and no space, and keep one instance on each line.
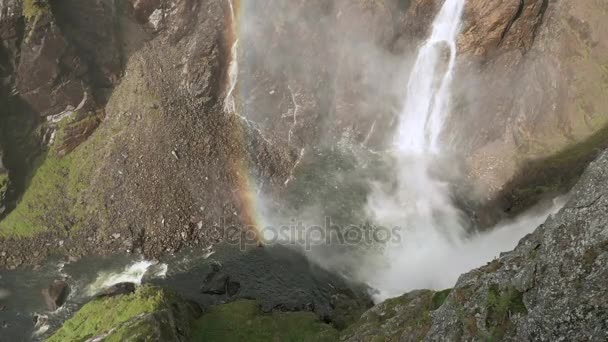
(56,294)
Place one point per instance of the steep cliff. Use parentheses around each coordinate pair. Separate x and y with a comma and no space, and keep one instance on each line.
(114,117)
(166,167)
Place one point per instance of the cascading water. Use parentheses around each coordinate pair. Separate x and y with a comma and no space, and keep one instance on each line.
(428,89)
(433,249)
(133,273)
(421,205)
(233,66)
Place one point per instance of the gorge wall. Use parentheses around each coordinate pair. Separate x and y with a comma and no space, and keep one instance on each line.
(114,134)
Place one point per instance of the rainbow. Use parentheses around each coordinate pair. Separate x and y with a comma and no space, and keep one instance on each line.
(246,192)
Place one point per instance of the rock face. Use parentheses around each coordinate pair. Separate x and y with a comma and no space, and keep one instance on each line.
(533,76)
(551,287)
(56,294)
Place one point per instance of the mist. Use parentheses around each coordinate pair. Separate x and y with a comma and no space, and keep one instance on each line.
(430,260)
(390,111)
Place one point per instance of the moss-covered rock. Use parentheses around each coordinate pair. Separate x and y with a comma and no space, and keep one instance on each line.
(149,314)
(243,321)
(405,318)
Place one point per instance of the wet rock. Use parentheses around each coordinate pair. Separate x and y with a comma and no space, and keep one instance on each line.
(117,290)
(232,288)
(56,294)
(216,284)
(153,271)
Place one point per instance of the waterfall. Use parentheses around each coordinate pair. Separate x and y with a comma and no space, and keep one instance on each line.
(233,66)
(428,89)
(432,249)
(429,223)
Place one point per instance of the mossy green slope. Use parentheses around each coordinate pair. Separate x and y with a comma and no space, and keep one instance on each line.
(149,314)
(54,195)
(243,321)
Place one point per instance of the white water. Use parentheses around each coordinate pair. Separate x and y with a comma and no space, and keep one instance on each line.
(434,249)
(233,66)
(431,228)
(133,273)
(428,89)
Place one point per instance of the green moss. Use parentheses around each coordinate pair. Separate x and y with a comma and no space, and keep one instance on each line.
(102,315)
(243,321)
(439,298)
(53,197)
(502,305)
(34,8)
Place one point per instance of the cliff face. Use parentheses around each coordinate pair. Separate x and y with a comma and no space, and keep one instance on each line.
(167,166)
(534,83)
(121,106)
(552,286)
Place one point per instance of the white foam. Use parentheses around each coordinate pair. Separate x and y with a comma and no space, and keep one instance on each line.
(133,273)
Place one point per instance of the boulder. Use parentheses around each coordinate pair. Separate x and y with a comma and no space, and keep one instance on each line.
(56,294)
(117,290)
(216,284)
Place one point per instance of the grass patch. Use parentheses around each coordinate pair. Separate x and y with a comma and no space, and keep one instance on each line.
(243,321)
(115,313)
(502,305)
(439,298)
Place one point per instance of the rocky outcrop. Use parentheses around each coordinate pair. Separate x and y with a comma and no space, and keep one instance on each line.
(56,294)
(552,286)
